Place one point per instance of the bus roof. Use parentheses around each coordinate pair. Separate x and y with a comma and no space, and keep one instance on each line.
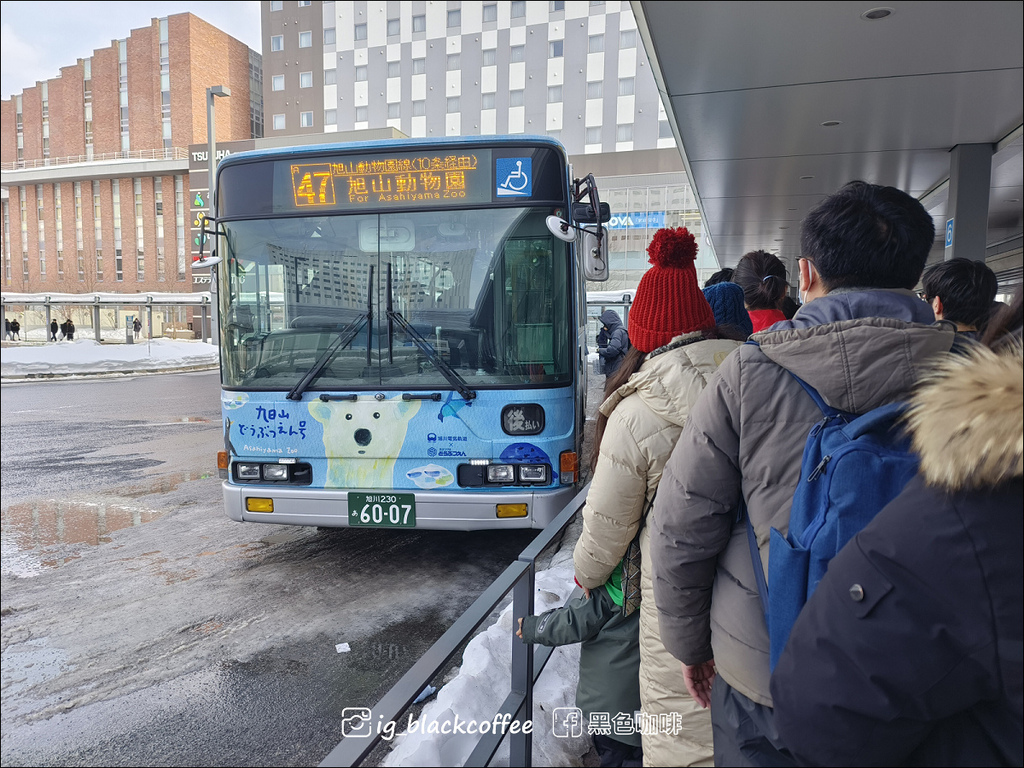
(276,153)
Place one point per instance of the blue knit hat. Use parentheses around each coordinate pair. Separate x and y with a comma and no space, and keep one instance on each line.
(726,300)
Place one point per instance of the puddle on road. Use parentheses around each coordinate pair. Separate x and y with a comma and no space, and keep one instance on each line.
(164,484)
(48,534)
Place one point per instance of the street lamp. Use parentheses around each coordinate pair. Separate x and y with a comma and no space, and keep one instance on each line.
(211,165)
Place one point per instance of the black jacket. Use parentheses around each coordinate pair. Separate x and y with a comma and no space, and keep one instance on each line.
(612,341)
(910,650)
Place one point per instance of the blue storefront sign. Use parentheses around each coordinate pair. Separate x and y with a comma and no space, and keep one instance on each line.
(638,220)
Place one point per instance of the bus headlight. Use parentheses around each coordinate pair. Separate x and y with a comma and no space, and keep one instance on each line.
(501,473)
(275,471)
(533,473)
(247,471)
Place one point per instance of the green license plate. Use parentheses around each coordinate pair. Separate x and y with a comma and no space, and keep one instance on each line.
(382,510)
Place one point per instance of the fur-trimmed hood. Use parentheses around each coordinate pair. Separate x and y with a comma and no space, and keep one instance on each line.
(967,419)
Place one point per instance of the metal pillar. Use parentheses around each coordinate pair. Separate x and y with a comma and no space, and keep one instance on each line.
(96,321)
(204,324)
(970,174)
(48,318)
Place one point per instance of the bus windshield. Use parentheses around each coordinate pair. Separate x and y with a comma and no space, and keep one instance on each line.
(461,300)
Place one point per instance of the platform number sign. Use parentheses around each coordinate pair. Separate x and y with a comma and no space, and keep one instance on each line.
(949,233)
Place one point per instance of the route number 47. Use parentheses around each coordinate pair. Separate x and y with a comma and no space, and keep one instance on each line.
(313,185)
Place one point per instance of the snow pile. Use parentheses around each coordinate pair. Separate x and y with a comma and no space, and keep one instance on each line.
(482,683)
(86,356)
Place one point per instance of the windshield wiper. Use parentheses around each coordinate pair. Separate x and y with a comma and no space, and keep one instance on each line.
(453,378)
(345,337)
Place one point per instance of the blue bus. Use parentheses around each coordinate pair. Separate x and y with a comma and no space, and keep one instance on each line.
(402,331)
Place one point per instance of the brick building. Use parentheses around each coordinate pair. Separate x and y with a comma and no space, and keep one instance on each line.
(95,161)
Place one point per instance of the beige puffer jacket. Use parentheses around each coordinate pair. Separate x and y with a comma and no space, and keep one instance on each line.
(645,417)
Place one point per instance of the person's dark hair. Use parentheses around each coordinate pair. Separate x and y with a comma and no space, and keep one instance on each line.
(721,276)
(868,236)
(631,364)
(763,279)
(966,288)
(788,306)
(1006,323)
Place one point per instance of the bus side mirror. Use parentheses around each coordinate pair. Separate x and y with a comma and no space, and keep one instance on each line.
(595,254)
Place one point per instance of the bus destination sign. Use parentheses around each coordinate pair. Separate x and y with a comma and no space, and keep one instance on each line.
(386,181)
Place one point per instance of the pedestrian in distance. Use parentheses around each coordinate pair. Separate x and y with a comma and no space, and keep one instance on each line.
(136,327)
(861,340)
(612,342)
(69,332)
(909,651)
(53,330)
(7,328)
(15,330)
(762,277)
(676,349)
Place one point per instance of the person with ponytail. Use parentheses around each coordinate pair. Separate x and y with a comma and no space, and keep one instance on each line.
(676,349)
(763,280)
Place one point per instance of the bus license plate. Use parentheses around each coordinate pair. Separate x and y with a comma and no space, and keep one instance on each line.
(382,510)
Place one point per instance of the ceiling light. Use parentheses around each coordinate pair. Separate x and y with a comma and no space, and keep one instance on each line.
(875,14)
(831,123)
(806,178)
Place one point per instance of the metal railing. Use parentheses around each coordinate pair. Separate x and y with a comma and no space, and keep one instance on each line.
(171,153)
(527,661)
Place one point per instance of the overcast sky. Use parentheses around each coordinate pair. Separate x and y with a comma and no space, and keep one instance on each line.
(37,39)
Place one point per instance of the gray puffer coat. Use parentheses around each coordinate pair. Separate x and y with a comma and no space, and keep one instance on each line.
(860,349)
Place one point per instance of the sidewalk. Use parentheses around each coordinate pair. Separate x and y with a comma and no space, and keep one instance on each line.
(27,360)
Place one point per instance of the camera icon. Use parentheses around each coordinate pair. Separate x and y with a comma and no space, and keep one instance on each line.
(355,722)
(567,722)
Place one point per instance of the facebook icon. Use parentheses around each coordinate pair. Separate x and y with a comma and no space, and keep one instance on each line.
(567,722)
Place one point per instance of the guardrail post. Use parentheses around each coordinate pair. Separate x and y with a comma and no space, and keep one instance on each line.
(521,740)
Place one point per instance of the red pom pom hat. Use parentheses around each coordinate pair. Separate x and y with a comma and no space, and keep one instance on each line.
(668,301)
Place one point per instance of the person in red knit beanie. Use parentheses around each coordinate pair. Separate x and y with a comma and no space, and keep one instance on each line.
(668,300)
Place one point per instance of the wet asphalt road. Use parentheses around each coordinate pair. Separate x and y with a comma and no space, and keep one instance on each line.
(141,626)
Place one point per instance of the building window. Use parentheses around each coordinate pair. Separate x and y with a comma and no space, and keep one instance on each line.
(555,49)
(330,36)
(515,98)
(624,132)
(554,94)
(360,32)
(594,135)
(278,122)
(454,19)
(306,119)
(517,53)
(487,101)
(419,66)
(490,57)
(305,39)
(330,76)
(305,80)
(305,3)
(419,23)
(490,12)
(664,130)
(595,90)
(419,108)
(277,83)
(518,9)
(394,69)
(627,86)
(277,42)
(330,117)
(453,62)
(453,104)
(394,111)
(362,73)
(276,5)
(394,26)
(627,38)
(556,5)
(362,114)
(595,44)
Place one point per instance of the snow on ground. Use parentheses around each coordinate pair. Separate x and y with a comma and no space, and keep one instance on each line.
(86,356)
(482,683)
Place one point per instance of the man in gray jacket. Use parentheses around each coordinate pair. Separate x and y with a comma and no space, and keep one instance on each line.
(862,338)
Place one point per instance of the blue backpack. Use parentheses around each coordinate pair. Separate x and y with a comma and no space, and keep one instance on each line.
(852,466)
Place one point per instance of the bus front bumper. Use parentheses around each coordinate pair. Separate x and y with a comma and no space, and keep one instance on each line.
(435,510)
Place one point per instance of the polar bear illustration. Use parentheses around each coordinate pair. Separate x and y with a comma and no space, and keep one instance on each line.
(363,439)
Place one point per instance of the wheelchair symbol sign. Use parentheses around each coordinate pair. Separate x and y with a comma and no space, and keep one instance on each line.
(513,176)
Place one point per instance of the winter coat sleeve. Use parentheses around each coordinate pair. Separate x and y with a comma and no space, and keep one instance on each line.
(581,619)
(618,343)
(895,640)
(615,503)
(694,516)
